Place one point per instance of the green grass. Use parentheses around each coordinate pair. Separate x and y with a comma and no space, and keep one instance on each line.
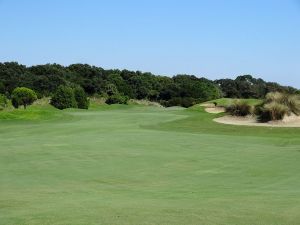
(145,165)
(228,101)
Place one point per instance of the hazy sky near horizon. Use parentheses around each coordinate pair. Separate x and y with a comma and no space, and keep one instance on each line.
(210,38)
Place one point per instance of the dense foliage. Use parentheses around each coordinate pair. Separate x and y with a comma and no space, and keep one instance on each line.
(3,101)
(44,79)
(22,96)
(183,90)
(116,99)
(64,98)
(248,87)
(81,98)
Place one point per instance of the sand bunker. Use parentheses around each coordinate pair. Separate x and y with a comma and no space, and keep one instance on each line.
(215,110)
(211,108)
(288,121)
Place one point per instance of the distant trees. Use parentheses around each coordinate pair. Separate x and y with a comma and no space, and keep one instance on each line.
(23,96)
(248,87)
(187,90)
(229,88)
(2,88)
(182,90)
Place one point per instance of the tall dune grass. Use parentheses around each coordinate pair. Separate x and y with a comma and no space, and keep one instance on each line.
(239,108)
(277,105)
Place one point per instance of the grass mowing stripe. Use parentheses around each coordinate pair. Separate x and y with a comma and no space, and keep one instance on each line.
(146,165)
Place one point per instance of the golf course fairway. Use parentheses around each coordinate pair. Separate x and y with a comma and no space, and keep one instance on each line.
(145,165)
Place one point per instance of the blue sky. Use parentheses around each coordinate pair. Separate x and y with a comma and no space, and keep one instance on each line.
(210,38)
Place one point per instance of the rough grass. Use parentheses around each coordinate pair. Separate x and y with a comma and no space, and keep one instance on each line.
(145,165)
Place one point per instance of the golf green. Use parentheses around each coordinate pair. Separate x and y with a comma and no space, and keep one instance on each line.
(145,165)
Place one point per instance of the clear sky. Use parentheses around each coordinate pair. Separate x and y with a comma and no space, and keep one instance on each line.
(210,38)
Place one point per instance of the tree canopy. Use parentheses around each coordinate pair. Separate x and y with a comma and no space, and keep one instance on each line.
(23,96)
(64,98)
(183,90)
(247,86)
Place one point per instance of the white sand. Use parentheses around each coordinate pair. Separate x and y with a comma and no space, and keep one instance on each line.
(215,110)
(288,121)
(211,108)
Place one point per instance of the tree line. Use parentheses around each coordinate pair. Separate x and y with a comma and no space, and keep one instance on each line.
(119,85)
(247,86)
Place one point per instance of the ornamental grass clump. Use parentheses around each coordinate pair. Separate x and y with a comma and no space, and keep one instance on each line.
(272,111)
(239,108)
(278,105)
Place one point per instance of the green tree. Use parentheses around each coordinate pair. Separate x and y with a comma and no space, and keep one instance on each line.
(111,89)
(81,98)
(2,88)
(64,98)
(23,96)
(3,101)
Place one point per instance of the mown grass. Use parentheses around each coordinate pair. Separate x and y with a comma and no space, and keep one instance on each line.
(229,101)
(145,165)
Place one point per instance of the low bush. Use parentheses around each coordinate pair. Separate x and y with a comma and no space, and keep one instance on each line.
(239,108)
(274,97)
(178,101)
(64,98)
(293,103)
(277,105)
(116,99)
(271,111)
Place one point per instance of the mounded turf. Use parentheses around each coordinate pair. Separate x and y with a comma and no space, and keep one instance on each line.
(145,165)
(228,101)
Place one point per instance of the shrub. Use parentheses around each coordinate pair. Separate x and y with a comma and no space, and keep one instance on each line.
(293,103)
(2,88)
(274,97)
(116,99)
(277,105)
(271,111)
(23,96)
(81,98)
(187,102)
(111,89)
(178,101)
(64,98)
(239,108)
(3,101)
